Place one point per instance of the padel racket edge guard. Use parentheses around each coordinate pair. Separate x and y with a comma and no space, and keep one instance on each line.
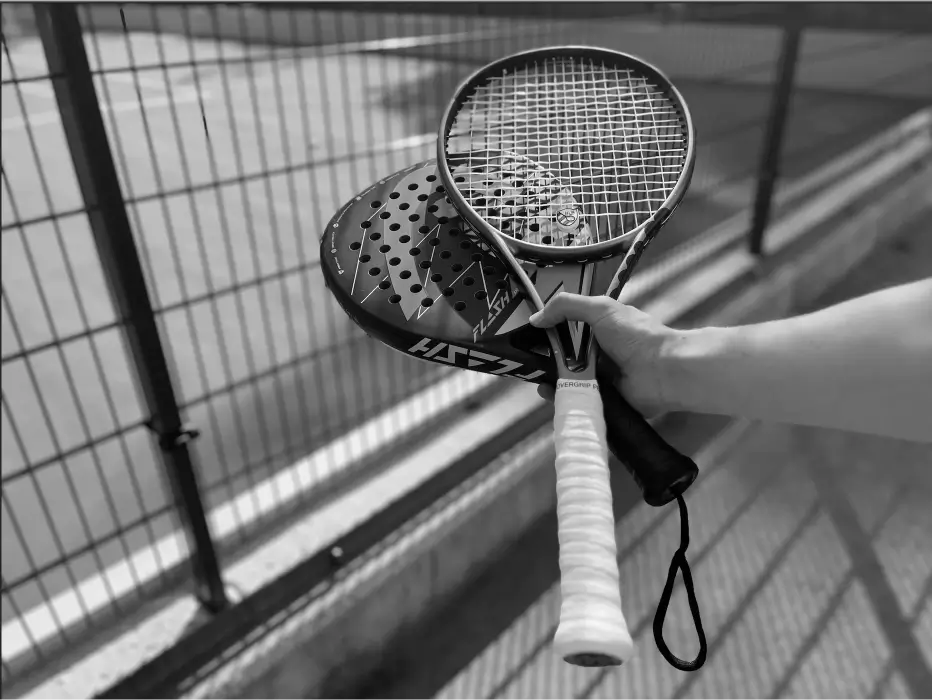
(565,156)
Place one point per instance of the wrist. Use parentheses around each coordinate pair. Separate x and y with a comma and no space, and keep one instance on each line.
(686,369)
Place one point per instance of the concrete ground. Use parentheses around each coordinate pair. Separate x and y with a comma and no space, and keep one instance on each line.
(812,563)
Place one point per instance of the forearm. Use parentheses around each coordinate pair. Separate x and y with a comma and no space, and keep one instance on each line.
(863,365)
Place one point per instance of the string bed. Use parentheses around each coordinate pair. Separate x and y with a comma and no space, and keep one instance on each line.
(567,132)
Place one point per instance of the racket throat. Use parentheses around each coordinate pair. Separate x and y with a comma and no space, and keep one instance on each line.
(577,349)
(575,336)
(576,341)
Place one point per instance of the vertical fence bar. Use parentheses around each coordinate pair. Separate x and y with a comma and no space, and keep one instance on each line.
(60,31)
(776,127)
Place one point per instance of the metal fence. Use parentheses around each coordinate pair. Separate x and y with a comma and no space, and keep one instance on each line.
(167,171)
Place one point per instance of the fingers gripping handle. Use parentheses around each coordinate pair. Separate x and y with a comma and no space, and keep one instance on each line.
(592,629)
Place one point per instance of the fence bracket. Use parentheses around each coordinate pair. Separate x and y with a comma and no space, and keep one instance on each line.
(175,439)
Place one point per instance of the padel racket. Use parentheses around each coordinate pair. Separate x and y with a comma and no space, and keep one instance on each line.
(565,156)
(405,267)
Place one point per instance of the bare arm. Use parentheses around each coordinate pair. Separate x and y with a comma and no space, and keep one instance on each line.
(863,365)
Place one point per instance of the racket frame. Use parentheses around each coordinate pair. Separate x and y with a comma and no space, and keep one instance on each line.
(510,249)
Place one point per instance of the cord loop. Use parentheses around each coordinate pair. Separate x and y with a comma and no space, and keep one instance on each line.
(679,562)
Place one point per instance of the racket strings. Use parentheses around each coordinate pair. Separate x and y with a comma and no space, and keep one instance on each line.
(611,142)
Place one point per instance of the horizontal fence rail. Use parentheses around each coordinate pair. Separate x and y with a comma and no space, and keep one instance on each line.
(176,379)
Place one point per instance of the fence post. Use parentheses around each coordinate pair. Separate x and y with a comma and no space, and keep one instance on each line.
(769,169)
(62,39)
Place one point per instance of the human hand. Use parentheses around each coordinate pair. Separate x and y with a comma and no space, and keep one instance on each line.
(636,342)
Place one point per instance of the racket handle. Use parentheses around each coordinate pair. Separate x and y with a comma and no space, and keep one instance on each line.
(660,471)
(592,629)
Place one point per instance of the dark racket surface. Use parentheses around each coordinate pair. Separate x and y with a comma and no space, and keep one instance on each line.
(405,267)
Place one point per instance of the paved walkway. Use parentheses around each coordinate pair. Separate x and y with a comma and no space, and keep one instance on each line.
(812,559)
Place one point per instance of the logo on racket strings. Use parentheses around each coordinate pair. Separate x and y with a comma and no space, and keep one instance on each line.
(568,219)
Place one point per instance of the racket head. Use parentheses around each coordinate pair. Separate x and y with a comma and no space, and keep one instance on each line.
(488,332)
(566,154)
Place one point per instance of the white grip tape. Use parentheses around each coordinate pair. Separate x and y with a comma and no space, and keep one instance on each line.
(591,619)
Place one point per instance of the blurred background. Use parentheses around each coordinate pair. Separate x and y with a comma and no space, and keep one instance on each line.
(178,386)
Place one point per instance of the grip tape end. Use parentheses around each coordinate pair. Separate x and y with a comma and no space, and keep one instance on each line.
(593,660)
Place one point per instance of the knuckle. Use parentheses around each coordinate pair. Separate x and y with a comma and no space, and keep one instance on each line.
(559,299)
(604,305)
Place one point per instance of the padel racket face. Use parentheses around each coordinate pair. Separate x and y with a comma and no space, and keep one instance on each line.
(406,268)
(566,156)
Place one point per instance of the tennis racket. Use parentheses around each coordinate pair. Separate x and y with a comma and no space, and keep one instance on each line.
(565,156)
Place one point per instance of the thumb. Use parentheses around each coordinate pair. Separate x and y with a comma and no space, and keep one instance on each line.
(569,307)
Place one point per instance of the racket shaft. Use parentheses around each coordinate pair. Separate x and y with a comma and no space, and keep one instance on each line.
(591,618)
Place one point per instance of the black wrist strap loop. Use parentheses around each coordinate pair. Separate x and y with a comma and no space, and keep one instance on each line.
(679,562)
